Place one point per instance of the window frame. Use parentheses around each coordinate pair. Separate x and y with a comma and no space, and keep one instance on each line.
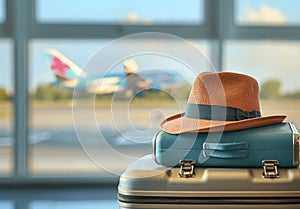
(20,26)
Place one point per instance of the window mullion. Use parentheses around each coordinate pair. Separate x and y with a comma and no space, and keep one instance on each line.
(19,35)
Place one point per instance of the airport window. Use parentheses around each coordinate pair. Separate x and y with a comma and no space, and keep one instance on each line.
(259,38)
(279,84)
(2,11)
(267,12)
(121,12)
(6,109)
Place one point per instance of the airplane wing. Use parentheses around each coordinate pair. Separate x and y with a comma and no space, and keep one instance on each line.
(164,80)
(107,85)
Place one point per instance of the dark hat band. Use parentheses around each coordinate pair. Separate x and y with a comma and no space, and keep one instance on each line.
(221,113)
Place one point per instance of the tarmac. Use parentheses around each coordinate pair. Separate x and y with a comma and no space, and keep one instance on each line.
(104,140)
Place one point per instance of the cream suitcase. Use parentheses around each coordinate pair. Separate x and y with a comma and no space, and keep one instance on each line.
(188,186)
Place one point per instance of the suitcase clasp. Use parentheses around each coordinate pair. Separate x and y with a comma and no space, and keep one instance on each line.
(187,168)
(270,168)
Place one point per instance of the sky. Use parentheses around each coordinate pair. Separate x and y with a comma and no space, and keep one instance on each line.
(116,11)
(262,59)
(2,11)
(268,11)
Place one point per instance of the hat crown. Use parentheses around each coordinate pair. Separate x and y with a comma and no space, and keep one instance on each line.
(226,89)
(220,101)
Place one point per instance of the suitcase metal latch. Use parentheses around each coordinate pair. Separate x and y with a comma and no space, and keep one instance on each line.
(187,168)
(270,168)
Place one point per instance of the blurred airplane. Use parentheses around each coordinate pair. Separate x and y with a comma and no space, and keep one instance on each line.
(70,76)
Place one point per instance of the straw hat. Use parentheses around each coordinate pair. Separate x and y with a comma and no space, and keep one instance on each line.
(220,101)
(130,66)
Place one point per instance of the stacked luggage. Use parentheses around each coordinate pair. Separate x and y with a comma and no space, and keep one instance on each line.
(220,153)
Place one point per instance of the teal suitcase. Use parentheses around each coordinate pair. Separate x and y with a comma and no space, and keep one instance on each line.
(245,148)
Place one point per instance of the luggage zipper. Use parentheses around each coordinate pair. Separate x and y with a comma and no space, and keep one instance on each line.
(270,168)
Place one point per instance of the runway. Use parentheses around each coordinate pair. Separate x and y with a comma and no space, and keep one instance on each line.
(105,140)
(60,151)
(108,145)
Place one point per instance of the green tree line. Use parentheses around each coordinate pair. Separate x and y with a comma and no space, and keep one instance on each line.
(51,93)
(4,95)
(270,89)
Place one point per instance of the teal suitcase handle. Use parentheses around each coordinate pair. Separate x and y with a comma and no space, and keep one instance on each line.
(225,146)
(225,150)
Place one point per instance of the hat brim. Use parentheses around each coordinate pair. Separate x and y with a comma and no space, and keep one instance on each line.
(177,124)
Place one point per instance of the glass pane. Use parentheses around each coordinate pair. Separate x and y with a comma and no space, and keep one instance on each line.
(56,147)
(142,12)
(275,64)
(267,12)
(92,204)
(6,108)
(7,205)
(2,11)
